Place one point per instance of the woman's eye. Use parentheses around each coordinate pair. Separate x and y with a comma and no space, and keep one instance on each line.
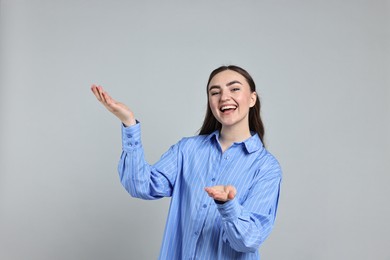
(235,89)
(214,93)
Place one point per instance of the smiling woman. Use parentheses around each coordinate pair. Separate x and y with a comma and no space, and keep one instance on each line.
(232,94)
(244,83)
(224,184)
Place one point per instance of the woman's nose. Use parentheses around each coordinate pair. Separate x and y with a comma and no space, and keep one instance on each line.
(225,96)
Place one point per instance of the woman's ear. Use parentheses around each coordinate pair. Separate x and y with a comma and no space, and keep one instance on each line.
(253,99)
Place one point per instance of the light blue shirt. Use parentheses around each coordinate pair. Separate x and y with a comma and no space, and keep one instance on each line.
(197,227)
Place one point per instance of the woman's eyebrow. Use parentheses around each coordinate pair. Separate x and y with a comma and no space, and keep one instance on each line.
(233,82)
(227,85)
(214,87)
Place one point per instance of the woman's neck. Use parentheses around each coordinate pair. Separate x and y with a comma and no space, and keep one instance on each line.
(230,135)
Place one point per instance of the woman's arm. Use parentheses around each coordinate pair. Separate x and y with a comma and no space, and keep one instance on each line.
(139,178)
(246,226)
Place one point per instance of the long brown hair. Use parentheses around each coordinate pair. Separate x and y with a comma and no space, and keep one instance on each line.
(210,123)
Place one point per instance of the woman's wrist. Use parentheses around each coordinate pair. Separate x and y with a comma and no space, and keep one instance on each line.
(129,122)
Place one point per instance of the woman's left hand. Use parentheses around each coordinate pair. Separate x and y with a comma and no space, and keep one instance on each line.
(221,192)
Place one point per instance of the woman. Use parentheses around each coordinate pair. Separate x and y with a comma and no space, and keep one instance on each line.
(224,185)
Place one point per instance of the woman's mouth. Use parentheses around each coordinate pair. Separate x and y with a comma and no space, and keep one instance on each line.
(227,108)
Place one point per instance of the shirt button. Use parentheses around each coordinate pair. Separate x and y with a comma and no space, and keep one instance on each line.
(226,157)
(196,233)
(136,143)
(129,136)
(130,144)
(213,179)
(204,205)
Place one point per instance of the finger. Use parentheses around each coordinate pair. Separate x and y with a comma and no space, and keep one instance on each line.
(104,97)
(230,188)
(100,91)
(95,91)
(209,191)
(231,195)
(231,191)
(109,100)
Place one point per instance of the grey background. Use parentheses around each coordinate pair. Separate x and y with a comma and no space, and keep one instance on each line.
(322,71)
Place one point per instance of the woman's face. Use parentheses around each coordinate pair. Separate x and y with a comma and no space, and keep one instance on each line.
(230,98)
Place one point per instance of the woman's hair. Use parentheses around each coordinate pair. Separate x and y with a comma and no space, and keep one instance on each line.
(210,123)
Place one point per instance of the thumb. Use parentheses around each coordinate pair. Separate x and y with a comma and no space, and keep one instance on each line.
(231,191)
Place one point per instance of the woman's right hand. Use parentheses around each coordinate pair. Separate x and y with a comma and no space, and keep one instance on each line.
(118,109)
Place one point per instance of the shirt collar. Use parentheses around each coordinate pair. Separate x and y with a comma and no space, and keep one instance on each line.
(252,144)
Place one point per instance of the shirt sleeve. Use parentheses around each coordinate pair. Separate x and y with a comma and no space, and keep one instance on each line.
(140,179)
(247,225)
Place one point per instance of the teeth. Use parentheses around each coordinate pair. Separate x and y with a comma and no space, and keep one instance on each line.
(227,107)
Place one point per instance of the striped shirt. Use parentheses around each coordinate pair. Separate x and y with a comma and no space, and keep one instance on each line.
(197,227)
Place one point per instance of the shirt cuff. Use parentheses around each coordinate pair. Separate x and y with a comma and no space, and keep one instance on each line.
(131,137)
(229,210)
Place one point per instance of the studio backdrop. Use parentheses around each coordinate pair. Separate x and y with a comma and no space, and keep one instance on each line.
(322,74)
